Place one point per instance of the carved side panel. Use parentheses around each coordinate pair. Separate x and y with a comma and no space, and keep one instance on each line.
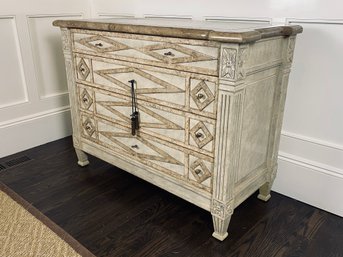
(278,107)
(73,97)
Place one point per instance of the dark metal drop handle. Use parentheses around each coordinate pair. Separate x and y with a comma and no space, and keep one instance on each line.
(98,44)
(134,146)
(135,114)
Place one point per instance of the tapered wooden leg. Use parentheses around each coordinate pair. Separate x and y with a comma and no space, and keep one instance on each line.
(220,227)
(82,158)
(264,194)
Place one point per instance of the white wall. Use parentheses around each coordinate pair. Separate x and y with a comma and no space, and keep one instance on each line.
(311,151)
(34,107)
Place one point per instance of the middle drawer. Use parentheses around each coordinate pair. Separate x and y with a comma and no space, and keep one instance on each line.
(184,91)
(184,129)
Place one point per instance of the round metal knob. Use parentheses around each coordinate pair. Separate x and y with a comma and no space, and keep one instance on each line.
(82,69)
(99,44)
(85,100)
(199,134)
(200,96)
(88,127)
(169,54)
(134,146)
(197,171)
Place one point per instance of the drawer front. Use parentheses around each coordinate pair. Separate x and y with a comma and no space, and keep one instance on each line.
(191,169)
(188,55)
(167,125)
(186,130)
(179,90)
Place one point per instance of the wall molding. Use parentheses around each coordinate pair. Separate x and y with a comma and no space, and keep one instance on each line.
(312,140)
(19,136)
(32,117)
(20,62)
(315,21)
(262,20)
(316,166)
(114,15)
(35,51)
(168,16)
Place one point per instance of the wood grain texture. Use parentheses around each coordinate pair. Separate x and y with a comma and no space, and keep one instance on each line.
(113,213)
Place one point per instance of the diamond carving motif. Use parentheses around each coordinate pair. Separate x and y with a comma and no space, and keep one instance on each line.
(102,44)
(89,127)
(174,53)
(202,95)
(86,99)
(200,171)
(201,134)
(83,69)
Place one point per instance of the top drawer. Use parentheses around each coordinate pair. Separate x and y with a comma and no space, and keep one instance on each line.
(187,55)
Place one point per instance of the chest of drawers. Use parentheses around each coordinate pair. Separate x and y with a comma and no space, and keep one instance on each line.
(209,96)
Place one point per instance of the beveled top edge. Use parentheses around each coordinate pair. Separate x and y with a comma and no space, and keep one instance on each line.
(189,30)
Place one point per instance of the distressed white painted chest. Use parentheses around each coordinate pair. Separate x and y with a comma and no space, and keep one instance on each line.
(208,97)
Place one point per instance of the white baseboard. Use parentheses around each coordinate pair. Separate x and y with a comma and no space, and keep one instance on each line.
(34,130)
(316,186)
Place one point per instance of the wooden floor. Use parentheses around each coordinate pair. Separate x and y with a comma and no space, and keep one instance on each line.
(113,213)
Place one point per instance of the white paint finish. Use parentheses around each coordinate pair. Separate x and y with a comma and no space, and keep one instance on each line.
(315,91)
(48,56)
(13,85)
(319,189)
(20,134)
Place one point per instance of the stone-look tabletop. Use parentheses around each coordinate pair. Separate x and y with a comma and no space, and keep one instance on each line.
(221,31)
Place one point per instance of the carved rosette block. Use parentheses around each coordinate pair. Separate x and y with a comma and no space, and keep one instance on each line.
(232,63)
(220,209)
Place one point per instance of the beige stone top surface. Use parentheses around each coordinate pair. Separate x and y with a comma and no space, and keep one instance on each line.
(222,31)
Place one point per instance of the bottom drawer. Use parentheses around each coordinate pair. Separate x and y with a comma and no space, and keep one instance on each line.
(188,167)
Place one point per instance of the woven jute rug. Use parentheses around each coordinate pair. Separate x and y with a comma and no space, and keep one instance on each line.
(26,232)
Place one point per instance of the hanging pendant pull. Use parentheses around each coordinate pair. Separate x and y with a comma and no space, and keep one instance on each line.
(134,112)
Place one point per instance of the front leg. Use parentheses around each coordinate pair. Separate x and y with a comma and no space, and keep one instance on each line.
(82,158)
(221,215)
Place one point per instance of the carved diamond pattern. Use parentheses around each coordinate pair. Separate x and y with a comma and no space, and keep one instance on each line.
(83,69)
(174,53)
(102,44)
(202,95)
(201,134)
(89,127)
(86,99)
(200,171)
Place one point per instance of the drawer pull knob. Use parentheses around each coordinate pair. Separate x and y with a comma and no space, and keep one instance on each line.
(85,100)
(98,44)
(197,171)
(169,54)
(200,96)
(134,146)
(88,127)
(198,135)
(82,69)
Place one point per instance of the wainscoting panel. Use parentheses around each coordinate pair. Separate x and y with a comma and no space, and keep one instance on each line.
(13,88)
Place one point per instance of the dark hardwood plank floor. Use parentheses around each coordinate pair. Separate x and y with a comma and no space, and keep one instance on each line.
(113,213)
